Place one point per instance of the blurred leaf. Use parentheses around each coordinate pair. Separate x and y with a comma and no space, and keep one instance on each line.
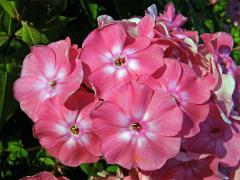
(8,105)
(55,27)
(10,7)
(30,35)
(6,23)
(1,148)
(92,169)
(3,38)
(112,168)
(60,4)
(47,161)
(36,12)
(94,9)
(16,150)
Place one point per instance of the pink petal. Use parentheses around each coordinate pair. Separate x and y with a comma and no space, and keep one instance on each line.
(146,26)
(197,91)
(42,57)
(152,154)
(171,76)
(107,77)
(121,153)
(169,11)
(195,115)
(170,121)
(133,98)
(70,84)
(146,61)
(134,45)
(31,92)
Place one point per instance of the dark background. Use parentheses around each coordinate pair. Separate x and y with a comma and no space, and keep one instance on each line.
(24,23)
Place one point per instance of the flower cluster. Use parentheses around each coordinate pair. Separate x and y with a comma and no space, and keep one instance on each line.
(142,93)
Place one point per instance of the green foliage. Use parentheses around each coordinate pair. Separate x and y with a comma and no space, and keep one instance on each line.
(24,23)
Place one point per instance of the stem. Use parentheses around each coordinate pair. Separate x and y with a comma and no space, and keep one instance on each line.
(33,148)
(236,49)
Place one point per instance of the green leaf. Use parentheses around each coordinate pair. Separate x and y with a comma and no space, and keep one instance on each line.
(92,169)
(3,38)
(93,9)
(30,35)
(16,150)
(6,23)
(47,161)
(10,7)
(112,168)
(8,105)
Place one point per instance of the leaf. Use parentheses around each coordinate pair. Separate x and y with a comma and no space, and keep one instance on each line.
(112,168)
(6,23)
(30,35)
(92,169)
(93,9)
(16,150)
(3,38)
(10,7)
(8,105)
(47,161)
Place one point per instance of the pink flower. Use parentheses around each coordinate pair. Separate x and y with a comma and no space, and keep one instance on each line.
(66,131)
(170,19)
(44,175)
(114,57)
(217,138)
(186,166)
(138,127)
(190,93)
(220,46)
(48,71)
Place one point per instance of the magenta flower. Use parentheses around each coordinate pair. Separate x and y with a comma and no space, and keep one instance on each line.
(221,139)
(48,71)
(170,18)
(187,165)
(117,57)
(66,131)
(44,175)
(138,127)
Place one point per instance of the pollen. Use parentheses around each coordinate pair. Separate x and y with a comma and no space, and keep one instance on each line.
(53,84)
(74,130)
(120,61)
(136,127)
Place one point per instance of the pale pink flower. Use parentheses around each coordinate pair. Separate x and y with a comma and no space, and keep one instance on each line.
(138,127)
(115,57)
(48,71)
(66,131)
(44,175)
(218,138)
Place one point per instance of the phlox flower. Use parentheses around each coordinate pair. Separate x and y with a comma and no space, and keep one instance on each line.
(114,57)
(48,71)
(170,18)
(191,94)
(66,131)
(138,127)
(44,175)
(186,166)
(218,138)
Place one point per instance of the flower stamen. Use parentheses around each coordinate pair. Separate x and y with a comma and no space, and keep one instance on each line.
(74,130)
(53,84)
(120,61)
